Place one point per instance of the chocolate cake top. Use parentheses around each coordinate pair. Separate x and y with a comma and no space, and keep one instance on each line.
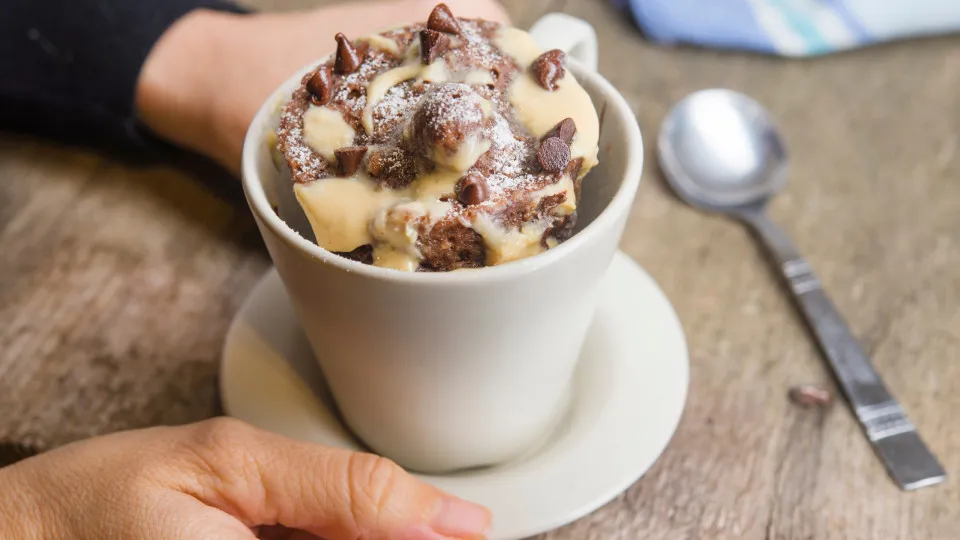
(455,124)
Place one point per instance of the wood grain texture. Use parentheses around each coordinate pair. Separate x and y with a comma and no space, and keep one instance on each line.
(117,284)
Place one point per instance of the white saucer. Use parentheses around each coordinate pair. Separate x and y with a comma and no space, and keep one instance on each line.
(627,399)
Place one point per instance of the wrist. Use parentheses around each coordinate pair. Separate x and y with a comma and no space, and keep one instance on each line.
(177,91)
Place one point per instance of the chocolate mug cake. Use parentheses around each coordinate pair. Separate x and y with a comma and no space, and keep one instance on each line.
(441,146)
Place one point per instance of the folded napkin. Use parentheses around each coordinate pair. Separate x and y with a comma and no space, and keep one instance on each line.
(791,27)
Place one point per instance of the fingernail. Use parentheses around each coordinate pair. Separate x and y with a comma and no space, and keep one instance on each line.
(461,519)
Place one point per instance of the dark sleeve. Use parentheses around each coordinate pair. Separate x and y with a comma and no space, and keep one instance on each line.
(69,68)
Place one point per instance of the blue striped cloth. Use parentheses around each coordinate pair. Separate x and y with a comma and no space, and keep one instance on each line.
(791,27)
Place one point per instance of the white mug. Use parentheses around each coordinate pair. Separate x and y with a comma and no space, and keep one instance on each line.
(446,371)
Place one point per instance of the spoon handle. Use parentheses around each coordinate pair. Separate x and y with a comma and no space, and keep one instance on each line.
(892,434)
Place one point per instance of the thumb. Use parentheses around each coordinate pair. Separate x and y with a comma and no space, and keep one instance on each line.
(264,479)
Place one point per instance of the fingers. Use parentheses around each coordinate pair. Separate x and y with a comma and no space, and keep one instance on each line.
(264,479)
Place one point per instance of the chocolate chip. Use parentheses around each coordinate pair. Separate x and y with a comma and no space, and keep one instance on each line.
(348,59)
(472,190)
(553,155)
(432,45)
(320,85)
(548,68)
(442,20)
(349,158)
(566,129)
(807,395)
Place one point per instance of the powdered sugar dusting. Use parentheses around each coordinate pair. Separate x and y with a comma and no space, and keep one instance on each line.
(391,111)
(509,150)
(508,156)
(507,163)
(480,49)
(416,118)
(452,102)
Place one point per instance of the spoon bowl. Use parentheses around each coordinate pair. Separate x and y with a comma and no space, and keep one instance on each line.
(720,150)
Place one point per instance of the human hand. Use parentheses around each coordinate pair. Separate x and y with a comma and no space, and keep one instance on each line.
(223,480)
(209,73)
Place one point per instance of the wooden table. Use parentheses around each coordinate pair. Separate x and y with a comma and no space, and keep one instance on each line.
(117,283)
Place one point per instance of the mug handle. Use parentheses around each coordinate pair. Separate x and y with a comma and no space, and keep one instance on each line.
(569,34)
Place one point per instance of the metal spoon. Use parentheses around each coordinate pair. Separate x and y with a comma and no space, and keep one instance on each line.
(720,152)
